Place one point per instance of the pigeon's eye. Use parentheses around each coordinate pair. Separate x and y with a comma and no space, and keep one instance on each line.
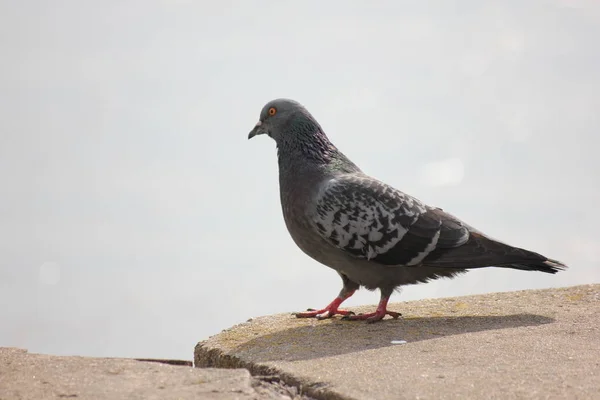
(272,111)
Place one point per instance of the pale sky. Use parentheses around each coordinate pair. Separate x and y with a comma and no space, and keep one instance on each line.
(137,219)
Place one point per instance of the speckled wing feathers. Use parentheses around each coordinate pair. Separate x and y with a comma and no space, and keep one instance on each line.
(372,220)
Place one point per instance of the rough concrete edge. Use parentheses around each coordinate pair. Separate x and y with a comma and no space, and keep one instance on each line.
(184,363)
(215,358)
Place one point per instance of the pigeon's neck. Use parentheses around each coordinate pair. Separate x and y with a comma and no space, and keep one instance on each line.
(312,152)
(303,166)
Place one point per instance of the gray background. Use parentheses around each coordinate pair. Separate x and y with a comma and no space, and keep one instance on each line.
(136,218)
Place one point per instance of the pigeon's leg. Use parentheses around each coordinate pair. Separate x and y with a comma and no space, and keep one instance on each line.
(381,311)
(332,309)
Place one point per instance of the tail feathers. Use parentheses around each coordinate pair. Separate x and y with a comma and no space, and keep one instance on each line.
(549,266)
(481,251)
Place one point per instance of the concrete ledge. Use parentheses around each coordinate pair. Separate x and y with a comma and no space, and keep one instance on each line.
(38,376)
(526,344)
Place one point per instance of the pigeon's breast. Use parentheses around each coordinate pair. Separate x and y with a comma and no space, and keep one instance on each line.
(298,192)
(303,234)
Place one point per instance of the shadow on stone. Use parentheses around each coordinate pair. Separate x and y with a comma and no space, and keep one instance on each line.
(341,337)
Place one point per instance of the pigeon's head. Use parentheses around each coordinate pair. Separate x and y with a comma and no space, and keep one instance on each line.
(282,118)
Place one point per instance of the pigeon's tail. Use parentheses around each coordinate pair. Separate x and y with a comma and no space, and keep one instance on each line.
(481,251)
(549,266)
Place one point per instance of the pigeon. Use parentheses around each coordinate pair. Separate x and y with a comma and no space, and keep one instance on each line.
(371,234)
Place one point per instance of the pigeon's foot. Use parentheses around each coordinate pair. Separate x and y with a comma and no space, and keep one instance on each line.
(323,313)
(327,312)
(372,317)
(378,315)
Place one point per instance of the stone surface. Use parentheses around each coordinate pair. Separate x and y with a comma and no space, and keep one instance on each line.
(526,344)
(38,376)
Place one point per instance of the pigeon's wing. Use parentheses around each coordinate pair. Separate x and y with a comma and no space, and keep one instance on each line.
(371,220)
(374,221)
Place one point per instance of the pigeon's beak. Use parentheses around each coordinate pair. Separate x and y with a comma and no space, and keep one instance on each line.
(258,130)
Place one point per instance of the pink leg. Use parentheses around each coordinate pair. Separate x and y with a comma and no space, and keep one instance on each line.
(378,315)
(329,311)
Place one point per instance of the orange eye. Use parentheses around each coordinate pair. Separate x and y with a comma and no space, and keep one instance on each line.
(272,111)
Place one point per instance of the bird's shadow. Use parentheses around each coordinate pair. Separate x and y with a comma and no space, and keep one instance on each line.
(337,337)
